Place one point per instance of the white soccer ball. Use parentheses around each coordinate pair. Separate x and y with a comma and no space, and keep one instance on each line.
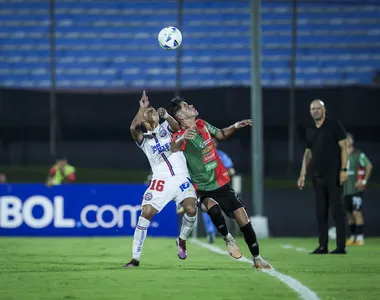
(170,38)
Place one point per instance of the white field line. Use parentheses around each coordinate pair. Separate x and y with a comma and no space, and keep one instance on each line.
(302,291)
(294,248)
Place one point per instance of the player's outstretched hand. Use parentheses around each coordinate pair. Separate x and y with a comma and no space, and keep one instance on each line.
(144,102)
(162,113)
(190,133)
(244,123)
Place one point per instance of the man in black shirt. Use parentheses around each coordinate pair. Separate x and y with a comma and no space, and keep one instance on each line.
(326,159)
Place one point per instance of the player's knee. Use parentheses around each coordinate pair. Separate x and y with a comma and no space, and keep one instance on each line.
(215,211)
(148,212)
(209,203)
(357,215)
(190,207)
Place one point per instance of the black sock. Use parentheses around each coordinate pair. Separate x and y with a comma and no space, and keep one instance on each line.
(217,218)
(353,229)
(359,229)
(250,238)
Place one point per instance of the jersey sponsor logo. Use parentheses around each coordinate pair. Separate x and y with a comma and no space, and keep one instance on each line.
(209,157)
(204,144)
(211,166)
(160,148)
(207,149)
(184,186)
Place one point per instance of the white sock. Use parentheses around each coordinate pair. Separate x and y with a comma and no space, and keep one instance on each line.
(352,238)
(187,226)
(360,237)
(228,237)
(139,237)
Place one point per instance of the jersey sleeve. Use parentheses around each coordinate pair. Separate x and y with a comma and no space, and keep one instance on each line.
(176,136)
(339,132)
(213,130)
(363,160)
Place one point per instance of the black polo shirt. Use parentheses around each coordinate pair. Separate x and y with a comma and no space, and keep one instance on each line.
(326,152)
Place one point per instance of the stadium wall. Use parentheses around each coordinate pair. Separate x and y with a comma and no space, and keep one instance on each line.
(93,124)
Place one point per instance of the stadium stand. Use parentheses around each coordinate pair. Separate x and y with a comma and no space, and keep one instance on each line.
(113,44)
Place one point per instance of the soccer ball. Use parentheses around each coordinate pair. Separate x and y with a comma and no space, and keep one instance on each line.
(170,38)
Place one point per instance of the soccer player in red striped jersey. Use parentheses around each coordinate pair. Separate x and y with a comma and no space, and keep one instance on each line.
(170,178)
(209,175)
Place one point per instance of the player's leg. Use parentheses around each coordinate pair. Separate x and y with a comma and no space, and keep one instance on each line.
(233,207)
(359,220)
(188,221)
(209,205)
(339,216)
(350,219)
(209,228)
(321,205)
(147,214)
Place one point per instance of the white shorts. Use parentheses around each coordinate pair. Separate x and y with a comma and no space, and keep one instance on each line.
(162,191)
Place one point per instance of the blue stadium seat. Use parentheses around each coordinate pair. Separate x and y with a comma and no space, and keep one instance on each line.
(105,44)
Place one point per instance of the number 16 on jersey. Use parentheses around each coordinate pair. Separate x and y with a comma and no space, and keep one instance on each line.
(157,185)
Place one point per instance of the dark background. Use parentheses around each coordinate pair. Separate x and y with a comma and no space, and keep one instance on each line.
(92,126)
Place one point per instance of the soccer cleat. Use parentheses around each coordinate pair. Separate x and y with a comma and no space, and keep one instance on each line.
(350,242)
(232,248)
(181,245)
(260,263)
(132,263)
(360,243)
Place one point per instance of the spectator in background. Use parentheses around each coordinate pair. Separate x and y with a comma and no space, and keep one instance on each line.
(61,173)
(3,178)
(227,162)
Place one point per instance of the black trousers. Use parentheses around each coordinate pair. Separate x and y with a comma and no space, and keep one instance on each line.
(329,194)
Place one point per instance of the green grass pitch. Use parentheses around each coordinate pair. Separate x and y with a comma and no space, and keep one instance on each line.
(91,268)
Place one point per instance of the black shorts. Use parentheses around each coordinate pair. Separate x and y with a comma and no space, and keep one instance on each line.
(225,196)
(353,202)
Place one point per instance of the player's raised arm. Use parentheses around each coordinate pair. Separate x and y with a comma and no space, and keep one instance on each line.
(173,124)
(228,131)
(135,128)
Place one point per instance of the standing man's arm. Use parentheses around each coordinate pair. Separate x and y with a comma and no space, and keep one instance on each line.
(343,158)
(340,137)
(305,162)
